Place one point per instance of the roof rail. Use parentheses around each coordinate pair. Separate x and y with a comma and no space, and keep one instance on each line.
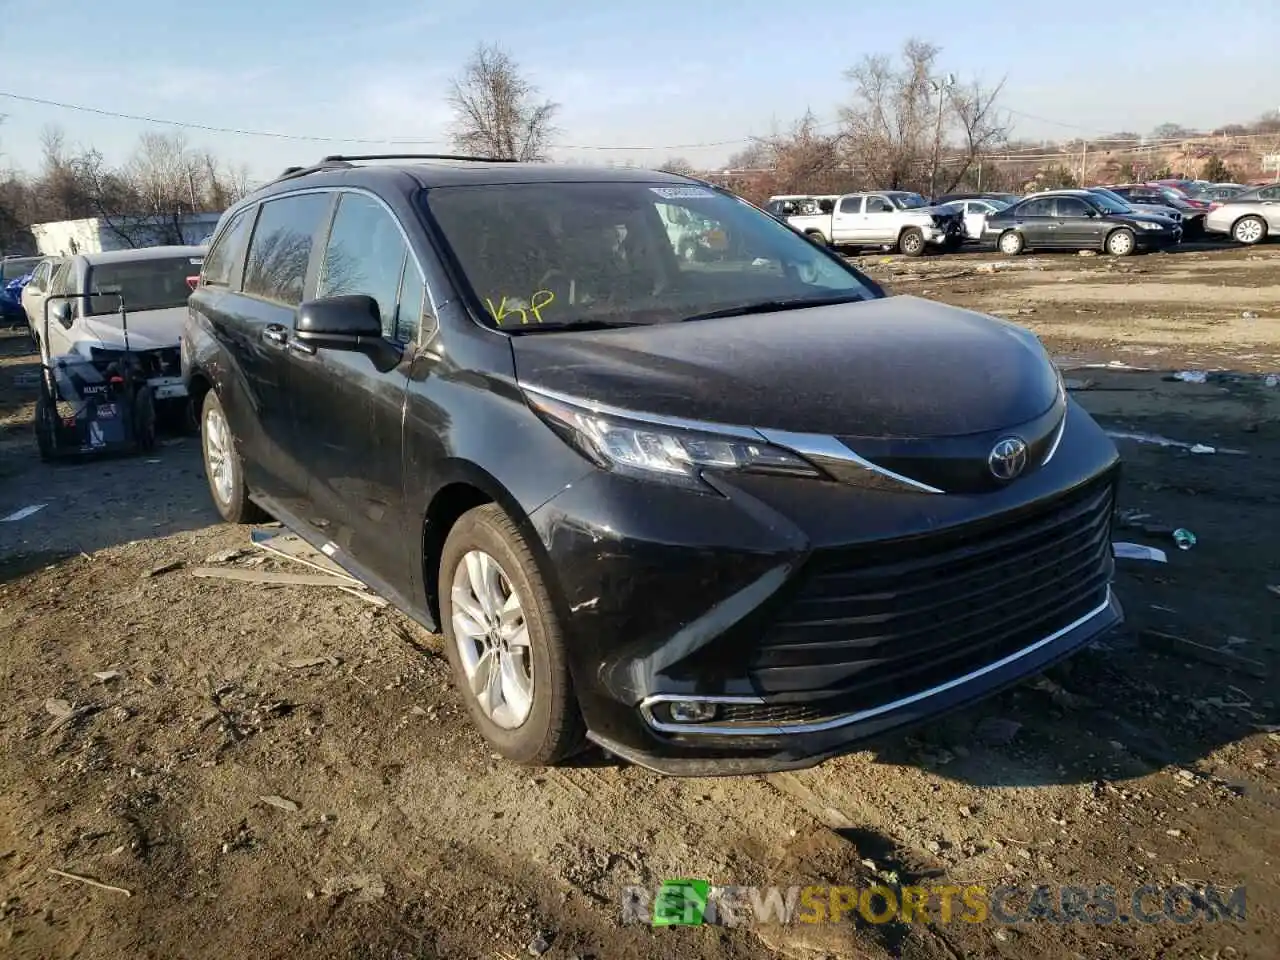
(327,163)
(414,156)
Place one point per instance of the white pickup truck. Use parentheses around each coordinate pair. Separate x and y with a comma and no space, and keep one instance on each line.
(884,218)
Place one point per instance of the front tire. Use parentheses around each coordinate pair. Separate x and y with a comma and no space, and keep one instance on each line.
(46,423)
(817,238)
(1249,230)
(504,641)
(144,420)
(223,467)
(1121,243)
(911,242)
(1011,243)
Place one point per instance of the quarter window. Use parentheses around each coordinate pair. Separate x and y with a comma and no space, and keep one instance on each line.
(227,250)
(281,247)
(367,254)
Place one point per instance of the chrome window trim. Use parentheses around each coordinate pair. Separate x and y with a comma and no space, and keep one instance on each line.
(849,718)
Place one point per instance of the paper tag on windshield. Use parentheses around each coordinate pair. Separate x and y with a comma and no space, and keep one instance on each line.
(682,193)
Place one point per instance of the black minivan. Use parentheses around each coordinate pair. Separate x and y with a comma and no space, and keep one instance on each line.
(718,515)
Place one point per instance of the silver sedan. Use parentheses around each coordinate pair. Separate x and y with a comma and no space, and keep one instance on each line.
(1249,217)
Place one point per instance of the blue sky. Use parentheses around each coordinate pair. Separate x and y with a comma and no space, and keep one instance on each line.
(657,73)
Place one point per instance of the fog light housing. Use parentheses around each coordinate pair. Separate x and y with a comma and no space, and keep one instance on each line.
(692,711)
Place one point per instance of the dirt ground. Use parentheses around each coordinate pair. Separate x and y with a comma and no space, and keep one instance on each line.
(1140,761)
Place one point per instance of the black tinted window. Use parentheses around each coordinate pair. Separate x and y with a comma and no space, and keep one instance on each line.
(1072,207)
(366,254)
(1036,208)
(227,250)
(281,247)
(851,205)
(151,284)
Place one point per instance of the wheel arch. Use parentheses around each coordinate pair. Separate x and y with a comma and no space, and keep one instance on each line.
(464,487)
(1266,228)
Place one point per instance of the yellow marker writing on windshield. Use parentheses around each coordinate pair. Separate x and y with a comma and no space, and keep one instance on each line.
(501,311)
(536,307)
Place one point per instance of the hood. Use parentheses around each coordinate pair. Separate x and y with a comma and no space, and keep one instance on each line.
(148,329)
(1155,210)
(1139,216)
(900,367)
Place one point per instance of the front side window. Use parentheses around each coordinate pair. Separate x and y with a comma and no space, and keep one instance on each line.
(152,284)
(280,249)
(544,255)
(227,252)
(366,254)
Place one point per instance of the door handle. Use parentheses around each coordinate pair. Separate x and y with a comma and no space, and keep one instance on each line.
(275,333)
(302,347)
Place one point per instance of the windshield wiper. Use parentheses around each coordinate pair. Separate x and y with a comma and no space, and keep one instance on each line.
(774,306)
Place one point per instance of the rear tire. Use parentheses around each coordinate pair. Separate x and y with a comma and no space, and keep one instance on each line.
(1249,230)
(1011,243)
(222,466)
(911,243)
(536,720)
(816,237)
(46,423)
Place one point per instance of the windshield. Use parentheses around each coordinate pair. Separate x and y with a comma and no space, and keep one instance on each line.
(144,284)
(1110,202)
(542,256)
(18,267)
(908,201)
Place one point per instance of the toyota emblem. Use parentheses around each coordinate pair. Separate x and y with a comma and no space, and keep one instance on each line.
(1008,458)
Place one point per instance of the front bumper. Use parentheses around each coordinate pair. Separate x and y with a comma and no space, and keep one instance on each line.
(816,615)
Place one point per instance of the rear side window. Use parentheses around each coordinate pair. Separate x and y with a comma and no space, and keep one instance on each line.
(1071,207)
(851,205)
(281,247)
(227,249)
(1036,208)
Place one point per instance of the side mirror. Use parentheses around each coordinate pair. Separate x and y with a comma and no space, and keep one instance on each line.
(1091,212)
(352,322)
(61,311)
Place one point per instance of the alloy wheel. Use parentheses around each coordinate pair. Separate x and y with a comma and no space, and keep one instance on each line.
(1248,230)
(217,445)
(492,637)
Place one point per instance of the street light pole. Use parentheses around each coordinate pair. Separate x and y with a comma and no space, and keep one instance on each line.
(941,86)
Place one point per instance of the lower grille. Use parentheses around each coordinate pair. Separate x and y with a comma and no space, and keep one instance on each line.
(879,623)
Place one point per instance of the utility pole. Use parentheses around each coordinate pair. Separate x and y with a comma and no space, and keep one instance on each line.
(1084,160)
(941,86)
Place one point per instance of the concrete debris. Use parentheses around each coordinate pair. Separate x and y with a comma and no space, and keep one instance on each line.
(362,887)
(1180,646)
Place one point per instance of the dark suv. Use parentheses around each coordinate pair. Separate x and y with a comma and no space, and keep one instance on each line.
(716,516)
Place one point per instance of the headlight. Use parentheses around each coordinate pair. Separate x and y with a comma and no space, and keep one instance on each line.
(660,452)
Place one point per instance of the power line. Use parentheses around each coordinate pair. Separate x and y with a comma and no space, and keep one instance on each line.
(276,135)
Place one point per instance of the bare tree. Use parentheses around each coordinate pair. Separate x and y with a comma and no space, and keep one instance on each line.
(888,125)
(754,156)
(677,165)
(806,159)
(979,125)
(892,130)
(496,109)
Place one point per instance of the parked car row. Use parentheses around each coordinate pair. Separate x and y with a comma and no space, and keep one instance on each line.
(1119,219)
